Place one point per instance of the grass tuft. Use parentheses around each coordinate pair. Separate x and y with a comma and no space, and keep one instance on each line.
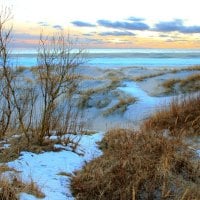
(181,118)
(11,188)
(189,84)
(121,106)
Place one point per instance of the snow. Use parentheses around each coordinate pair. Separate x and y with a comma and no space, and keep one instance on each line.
(198,152)
(44,168)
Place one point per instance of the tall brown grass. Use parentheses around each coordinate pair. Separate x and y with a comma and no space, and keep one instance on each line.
(146,164)
(11,188)
(181,117)
(138,165)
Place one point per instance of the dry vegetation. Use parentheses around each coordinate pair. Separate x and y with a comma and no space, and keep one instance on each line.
(44,104)
(165,71)
(189,84)
(12,186)
(182,117)
(121,106)
(142,78)
(138,165)
(169,85)
(193,68)
(10,189)
(147,164)
(87,95)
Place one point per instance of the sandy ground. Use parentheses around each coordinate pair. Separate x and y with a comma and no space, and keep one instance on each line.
(145,84)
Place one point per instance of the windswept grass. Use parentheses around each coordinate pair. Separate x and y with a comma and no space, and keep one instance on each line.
(20,69)
(169,85)
(121,106)
(189,84)
(182,117)
(11,187)
(193,68)
(148,163)
(86,95)
(139,165)
(142,78)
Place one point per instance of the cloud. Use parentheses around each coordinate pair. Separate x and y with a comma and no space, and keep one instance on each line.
(43,23)
(123,25)
(163,35)
(191,29)
(82,24)
(169,26)
(136,19)
(88,34)
(176,25)
(92,41)
(117,33)
(58,27)
(174,40)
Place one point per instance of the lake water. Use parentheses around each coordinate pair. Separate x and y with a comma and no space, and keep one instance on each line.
(114,58)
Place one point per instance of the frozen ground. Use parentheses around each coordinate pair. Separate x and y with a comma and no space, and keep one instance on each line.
(48,169)
(45,169)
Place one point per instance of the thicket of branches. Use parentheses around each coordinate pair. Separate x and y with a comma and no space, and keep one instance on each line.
(46,103)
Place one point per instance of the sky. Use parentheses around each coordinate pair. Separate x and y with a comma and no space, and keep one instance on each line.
(108,23)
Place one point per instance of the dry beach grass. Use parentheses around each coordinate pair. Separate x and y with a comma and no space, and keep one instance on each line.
(146,164)
(12,185)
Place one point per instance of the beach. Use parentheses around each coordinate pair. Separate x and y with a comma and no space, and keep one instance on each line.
(110,75)
(111,94)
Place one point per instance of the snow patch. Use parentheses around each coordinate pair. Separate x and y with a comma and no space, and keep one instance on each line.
(44,169)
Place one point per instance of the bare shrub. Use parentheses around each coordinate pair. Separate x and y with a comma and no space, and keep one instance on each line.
(58,82)
(36,108)
(5,77)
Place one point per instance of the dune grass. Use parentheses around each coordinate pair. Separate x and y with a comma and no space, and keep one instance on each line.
(12,186)
(169,85)
(87,94)
(142,78)
(20,69)
(10,189)
(138,165)
(193,68)
(167,71)
(189,84)
(182,117)
(146,164)
(121,106)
